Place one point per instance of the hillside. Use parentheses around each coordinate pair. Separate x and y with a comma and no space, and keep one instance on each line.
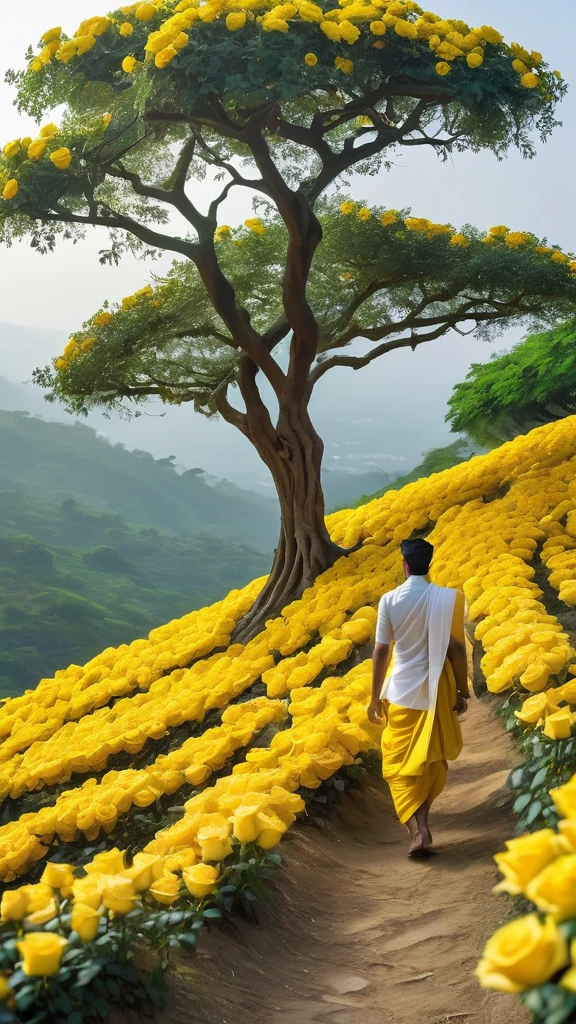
(200,754)
(434,461)
(54,461)
(73,580)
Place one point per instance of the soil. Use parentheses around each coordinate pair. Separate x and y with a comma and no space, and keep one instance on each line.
(359,934)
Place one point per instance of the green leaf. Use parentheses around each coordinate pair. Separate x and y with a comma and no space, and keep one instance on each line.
(188,940)
(533,812)
(521,802)
(539,778)
(101,1007)
(211,913)
(515,779)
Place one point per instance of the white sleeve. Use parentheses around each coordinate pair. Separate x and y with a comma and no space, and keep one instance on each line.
(384,631)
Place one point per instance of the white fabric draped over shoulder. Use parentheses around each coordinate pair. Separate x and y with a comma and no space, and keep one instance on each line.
(417,618)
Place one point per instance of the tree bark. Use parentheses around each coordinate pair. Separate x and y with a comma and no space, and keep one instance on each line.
(292,451)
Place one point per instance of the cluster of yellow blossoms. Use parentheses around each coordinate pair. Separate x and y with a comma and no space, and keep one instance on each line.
(448,40)
(541,867)
(423,226)
(19,150)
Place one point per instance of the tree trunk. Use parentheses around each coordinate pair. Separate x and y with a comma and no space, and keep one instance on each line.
(293,454)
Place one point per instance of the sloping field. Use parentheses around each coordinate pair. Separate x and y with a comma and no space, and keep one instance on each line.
(197,755)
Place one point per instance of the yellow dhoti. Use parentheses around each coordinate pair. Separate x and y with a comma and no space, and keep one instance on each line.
(416,746)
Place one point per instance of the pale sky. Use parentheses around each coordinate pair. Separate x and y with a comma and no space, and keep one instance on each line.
(63,289)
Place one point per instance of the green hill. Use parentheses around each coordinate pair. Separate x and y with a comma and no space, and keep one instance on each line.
(53,461)
(433,461)
(74,580)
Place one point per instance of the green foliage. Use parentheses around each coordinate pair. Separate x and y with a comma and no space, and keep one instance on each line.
(518,390)
(56,462)
(367,280)
(74,580)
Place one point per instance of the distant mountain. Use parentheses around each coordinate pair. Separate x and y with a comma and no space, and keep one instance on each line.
(53,461)
(74,580)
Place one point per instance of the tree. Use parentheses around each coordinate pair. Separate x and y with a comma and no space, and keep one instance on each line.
(282,101)
(518,390)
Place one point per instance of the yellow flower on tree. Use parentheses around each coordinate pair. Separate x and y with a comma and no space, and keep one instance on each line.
(529,81)
(311,60)
(10,189)
(442,68)
(61,158)
(364,213)
(347,207)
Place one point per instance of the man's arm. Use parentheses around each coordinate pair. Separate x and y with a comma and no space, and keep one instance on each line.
(457,652)
(380,662)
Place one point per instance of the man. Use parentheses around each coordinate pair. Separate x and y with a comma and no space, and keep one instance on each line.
(426,691)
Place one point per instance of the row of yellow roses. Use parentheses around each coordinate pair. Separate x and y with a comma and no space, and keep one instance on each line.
(95,807)
(256,804)
(73,692)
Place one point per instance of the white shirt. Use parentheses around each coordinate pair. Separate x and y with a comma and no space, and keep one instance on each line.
(404,619)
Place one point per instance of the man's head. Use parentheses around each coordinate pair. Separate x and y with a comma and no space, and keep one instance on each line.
(417,555)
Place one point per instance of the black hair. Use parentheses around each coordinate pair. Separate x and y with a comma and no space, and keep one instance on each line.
(417,554)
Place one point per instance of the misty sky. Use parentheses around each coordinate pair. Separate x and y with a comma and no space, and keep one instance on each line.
(61,290)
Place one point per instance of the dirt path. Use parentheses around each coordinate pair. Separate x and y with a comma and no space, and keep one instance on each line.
(361,935)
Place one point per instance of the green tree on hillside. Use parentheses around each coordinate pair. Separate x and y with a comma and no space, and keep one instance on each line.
(284,102)
(518,390)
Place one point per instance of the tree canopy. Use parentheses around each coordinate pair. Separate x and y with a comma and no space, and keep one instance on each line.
(282,100)
(518,390)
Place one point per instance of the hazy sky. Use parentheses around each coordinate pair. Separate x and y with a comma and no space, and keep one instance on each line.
(61,290)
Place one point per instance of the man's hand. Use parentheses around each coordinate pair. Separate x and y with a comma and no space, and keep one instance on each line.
(461,705)
(374,712)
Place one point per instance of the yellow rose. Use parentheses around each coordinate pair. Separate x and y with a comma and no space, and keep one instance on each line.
(166,889)
(526,857)
(85,921)
(244,825)
(442,68)
(145,12)
(565,798)
(235,20)
(200,879)
(163,58)
(128,64)
(41,953)
(59,876)
(522,954)
(126,29)
(147,867)
(111,862)
(51,35)
(87,891)
(14,904)
(533,709)
(118,893)
(37,149)
(49,131)
(474,60)
(554,889)
(45,913)
(214,841)
(10,189)
(558,726)
(11,149)
(61,158)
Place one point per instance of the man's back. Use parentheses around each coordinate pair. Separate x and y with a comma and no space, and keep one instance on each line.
(403,616)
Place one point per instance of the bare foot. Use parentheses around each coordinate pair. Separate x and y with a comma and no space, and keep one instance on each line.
(421,844)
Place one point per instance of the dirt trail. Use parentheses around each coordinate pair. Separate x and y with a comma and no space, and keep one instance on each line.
(361,935)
